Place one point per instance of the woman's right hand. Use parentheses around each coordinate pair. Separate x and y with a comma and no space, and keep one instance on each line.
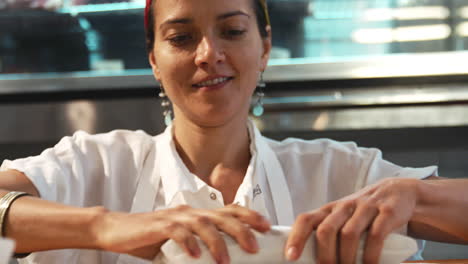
(143,234)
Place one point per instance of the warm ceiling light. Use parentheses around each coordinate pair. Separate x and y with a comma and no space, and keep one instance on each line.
(373,35)
(407,13)
(463,12)
(422,33)
(401,34)
(462,29)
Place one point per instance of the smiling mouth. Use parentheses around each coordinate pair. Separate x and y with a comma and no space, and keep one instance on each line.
(213,82)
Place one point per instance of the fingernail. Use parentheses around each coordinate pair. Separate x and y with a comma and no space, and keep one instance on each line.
(195,252)
(254,244)
(223,260)
(291,254)
(266,222)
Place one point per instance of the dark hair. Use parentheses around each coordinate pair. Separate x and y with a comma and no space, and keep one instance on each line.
(260,14)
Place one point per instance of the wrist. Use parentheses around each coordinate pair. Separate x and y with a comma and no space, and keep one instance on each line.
(5,202)
(96,223)
(423,190)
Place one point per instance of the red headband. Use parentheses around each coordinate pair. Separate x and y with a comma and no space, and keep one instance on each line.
(147,9)
(148,6)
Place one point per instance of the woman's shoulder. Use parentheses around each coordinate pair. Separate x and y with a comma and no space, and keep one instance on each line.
(322,150)
(116,134)
(111,138)
(317,146)
(119,142)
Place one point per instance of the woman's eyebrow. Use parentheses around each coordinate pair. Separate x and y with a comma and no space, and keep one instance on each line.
(190,20)
(176,21)
(233,13)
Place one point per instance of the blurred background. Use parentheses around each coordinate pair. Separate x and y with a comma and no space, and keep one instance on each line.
(391,74)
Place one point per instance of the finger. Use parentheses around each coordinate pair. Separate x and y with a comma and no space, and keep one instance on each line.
(146,252)
(253,218)
(237,230)
(212,238)
(379,230)
(301,231)
(186,240)
(352,231)
(327,233)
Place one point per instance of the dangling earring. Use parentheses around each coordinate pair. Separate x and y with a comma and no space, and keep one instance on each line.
(166,105)
(258,107)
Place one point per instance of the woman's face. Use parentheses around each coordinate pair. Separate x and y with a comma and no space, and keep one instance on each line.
(208,55)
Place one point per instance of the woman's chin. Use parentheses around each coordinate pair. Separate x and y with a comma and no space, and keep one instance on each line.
(213,120)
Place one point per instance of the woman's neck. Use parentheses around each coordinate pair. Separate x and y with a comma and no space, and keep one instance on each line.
(217,155)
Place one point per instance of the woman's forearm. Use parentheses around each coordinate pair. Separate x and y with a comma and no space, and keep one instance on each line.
(441,211)
(38,225)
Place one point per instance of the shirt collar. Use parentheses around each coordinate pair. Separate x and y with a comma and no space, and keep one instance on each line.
(174,174)
(246,187)
(176,177)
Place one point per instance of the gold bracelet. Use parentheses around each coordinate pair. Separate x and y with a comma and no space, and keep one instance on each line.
(5,203)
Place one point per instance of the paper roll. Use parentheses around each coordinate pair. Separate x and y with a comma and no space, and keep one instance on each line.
(397,248)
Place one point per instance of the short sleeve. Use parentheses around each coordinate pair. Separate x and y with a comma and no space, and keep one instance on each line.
(374,168)
(88,170)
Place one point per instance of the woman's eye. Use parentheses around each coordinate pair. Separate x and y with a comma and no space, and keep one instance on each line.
(179,40)
(234,33)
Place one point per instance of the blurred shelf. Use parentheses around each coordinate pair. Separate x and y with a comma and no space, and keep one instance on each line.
(434,65)
(103,8)
(75,81)
(385,66)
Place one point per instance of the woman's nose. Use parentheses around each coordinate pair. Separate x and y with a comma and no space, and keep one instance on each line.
(209,52)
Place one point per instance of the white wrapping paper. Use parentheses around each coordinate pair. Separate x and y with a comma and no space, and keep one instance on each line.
(397,248)
(6,250)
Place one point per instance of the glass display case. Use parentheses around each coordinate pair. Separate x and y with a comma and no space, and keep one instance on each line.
(106,37)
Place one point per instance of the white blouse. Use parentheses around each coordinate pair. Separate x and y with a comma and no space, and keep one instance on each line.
(132,171)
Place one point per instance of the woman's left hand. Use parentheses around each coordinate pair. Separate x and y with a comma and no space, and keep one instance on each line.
(378,209)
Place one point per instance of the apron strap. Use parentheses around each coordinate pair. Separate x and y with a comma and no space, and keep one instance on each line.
(148,185)
(144,199)
(277,182)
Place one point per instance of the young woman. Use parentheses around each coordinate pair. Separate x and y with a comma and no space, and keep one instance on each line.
(101,198)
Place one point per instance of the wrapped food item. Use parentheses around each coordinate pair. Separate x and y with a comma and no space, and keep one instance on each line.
(6,250)
(397,248)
